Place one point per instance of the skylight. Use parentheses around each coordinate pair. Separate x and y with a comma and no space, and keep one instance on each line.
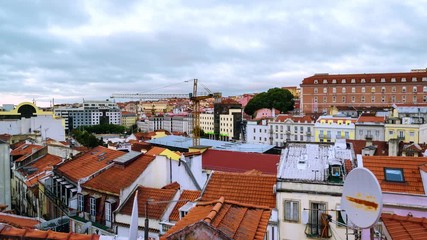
(394,175)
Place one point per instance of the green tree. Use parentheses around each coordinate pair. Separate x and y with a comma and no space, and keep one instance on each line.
(278,98)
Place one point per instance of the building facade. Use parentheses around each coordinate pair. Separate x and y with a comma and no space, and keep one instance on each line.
(321,91)
(330,128)
(370,127)
(291,128)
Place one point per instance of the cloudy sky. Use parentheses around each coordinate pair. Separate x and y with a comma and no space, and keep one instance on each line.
(70,50)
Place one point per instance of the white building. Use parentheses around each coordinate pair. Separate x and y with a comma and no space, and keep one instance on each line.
(258,131)
(310,184)
(331,128)
(5,195)
(90,113)
(292,128)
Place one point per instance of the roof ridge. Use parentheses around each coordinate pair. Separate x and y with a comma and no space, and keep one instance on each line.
(214,210)
(248,205)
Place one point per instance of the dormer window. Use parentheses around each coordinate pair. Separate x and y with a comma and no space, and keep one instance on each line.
(424,79)
(414,79)
(316,82)
(403,80)
(363,80)
(382,79)
(353,80)
(372,80)
(394,175)
(334,81)
(393,79)
(343,81)
(325,81)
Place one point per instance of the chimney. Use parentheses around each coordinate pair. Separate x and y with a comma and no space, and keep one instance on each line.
(393,147)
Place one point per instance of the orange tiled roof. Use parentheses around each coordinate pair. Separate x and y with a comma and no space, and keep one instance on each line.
(155,210)
(18,221)
(235,220)
(367,118)
(45,163)
(283,117)
(186,195)
(400,227)
(114,179)
(411,171)
(24,151)
(250,188)
(358,145)
(154,151)
(88,163)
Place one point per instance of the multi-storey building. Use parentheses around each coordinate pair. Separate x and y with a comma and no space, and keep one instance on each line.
(90,113)
(128,118)
(330,128)
(291,128)
(321,91)
(370,127)
(182,124)
(258,131)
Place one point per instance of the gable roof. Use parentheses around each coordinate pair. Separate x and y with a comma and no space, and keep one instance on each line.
(116,178)
(234,219)
(301,119)
(9,232)
(88,163)
(42,165)
(411,171)
(371,119)
(155,210)
(405,227)
(231,161)
(18,221)
(250,188)
(359,145)
(24,151)
(190,195)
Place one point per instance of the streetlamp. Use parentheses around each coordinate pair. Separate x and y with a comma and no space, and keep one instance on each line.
(152,201)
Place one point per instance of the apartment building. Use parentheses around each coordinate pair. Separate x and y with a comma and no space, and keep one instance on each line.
(258,131)
(181,123)
(89,113)
(331,128)
(320,91)
(370,128)
(292,128)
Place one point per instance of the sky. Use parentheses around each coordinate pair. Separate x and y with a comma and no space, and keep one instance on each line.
(68,51)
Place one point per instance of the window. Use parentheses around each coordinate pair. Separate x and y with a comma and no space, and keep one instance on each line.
(394,175)
(383,89)
(362,99)
(343,99)
(425,89)
(383,99)
(343,81)
(372,80)
(393,99)
(414,89)
(362,80)
(315,90)
(424,79)
(340,218)
(325,99)
(92,209)
(334,90)
(316,223)
(353,80)
(372,89)
(80,203)
(108,214)
(403,89)
(316,82)
(393,89)
(403,80)
(315,99)
(363,89)
(343,90)
(347,135)
(373,99)
(414,99)
(382,79)
(393,79)
(403,99)
(353,89)
(325,90)
(291,211)
(353,99)
(334,81)
(414,79)
(334,98)
(325,81)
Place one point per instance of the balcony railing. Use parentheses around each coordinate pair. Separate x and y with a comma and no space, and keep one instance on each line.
(57,201)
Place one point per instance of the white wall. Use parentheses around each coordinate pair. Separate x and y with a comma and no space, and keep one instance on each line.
(5,194)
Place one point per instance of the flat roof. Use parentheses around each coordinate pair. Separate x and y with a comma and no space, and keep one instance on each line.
(186,142)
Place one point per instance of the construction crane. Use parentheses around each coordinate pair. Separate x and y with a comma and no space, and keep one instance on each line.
(195,98)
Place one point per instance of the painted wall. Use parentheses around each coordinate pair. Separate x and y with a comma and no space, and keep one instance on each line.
(5,193)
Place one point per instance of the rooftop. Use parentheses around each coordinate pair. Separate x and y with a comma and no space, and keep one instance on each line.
(185,143)
(155,211)
(302,119)
(411,183)
(114,179)
(18,221)
(310,161)
(251,187)
(190,195)
(24,151)
(37,169)
(371,119)
(230,218)
(231,161)
(88,163)
(405,227)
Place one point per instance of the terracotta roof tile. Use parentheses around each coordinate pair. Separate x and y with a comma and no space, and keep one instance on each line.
(235,220)
(358,145)
(155,211)
(411,171)
(18,221)
(302,119)
(88,163)
(154,151)
(6,232)
(114,179)
(174,185)
(24,151)
(231,161)
(254,189)
(43,164)
(185,195)
(375,119)
(401,227)
(367,76)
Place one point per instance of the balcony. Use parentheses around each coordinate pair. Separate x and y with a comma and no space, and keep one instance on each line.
(57,201)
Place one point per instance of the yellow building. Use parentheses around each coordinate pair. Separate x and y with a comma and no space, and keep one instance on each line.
(328,128)
(128,119)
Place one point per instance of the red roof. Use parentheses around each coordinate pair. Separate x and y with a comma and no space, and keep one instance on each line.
(230,218)
(374,119)
(88,163)
(412,184)
(301,119)
(43,164)
(185,195)
(114,179)
(18,221)
(155,210)
(24,151)
(358,145)
(400,227)
(251,188)
(230,161)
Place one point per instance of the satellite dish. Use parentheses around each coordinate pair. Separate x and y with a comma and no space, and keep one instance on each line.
(362,198)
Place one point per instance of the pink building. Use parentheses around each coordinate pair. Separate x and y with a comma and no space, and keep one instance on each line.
(266,113)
